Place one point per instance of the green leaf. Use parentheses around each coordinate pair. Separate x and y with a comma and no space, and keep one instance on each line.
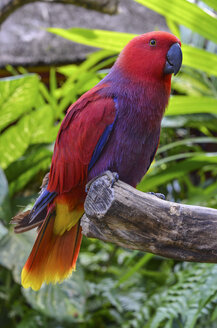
(187,299)
(173,158)
(115,41)
(180,105)
(36,127)
(68,70)
(14,141)
(27,176)
(64,301)
(14,251)
(42,125)
(93,63)
(53,88)
(31,158)
(185,13)
(3,186)
(3,231)
(211,4)
(191,83)
(5,210)
(17,96)
(143,261)
(19,173)
(186,142)
(176,171)
(96,60)
(199,59)
(174,27)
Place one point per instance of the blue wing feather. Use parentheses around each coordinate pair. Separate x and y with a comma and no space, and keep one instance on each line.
(102,141)
(100,145)
(41,202)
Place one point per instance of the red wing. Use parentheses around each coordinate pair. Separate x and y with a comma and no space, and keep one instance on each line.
(79,133)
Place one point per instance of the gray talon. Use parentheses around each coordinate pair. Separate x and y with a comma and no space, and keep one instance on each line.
(115,178)
(87,187)
(157,194)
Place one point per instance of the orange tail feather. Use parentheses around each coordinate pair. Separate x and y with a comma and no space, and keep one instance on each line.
(53,257)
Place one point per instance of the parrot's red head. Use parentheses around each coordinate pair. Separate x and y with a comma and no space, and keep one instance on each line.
(152,56)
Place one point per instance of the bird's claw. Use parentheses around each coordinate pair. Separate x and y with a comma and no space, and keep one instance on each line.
(113,177)
(157,194)
(87,187)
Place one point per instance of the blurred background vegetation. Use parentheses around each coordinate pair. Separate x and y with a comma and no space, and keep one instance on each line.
(114,287)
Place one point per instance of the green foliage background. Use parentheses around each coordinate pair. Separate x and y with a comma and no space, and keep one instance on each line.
(113,287)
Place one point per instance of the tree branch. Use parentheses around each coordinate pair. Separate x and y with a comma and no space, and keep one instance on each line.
(136,220)
(104,6)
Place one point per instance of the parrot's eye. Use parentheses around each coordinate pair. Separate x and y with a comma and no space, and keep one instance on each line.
(152,42)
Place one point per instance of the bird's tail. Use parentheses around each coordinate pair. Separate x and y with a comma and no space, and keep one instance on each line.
(54,254)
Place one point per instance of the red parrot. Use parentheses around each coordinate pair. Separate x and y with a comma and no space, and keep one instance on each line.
(115,126)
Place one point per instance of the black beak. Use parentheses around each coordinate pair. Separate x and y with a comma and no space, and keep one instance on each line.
(174,59)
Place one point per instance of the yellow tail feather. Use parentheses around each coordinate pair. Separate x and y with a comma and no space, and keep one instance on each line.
(54,254)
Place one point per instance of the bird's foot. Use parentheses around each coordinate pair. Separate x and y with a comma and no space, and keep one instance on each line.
(113,177)
(157,194)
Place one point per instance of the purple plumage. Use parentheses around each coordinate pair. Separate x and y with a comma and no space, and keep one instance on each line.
(135,135)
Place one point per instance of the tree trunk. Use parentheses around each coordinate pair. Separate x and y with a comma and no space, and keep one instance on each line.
(136,220)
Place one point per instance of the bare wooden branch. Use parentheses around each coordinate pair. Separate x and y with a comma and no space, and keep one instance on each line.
(104,6)
(136,220)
